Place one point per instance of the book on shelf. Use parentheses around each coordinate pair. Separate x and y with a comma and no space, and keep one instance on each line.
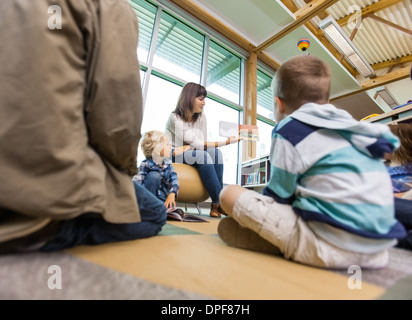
(244,131)
(257,177)
(177,214)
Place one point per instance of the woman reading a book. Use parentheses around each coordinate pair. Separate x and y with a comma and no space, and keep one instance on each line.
(187,130)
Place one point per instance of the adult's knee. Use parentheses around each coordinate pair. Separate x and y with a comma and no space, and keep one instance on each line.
(216,156)
(198,157)
(205,157)
(218,153)
(229,195)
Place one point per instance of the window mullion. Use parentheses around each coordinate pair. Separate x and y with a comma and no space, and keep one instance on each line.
(152,50)
(203,76)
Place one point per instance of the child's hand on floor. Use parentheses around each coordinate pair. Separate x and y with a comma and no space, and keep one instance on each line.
(170,200)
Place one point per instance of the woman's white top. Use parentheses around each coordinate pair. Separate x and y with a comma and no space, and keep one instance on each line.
(186,133)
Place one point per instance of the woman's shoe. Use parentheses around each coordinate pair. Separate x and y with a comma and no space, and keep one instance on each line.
(221,210)
(214,210)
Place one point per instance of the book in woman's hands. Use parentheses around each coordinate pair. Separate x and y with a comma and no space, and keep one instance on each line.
(244,131)
(179,215)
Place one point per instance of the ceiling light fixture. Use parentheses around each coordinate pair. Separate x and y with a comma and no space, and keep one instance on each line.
(341,41)
(387,97)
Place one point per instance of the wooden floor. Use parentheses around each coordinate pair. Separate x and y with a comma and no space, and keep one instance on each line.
(191,257)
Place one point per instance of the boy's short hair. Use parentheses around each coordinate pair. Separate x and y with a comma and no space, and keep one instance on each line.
(150,140)
(302,79)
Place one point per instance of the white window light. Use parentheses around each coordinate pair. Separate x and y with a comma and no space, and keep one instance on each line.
(341,41)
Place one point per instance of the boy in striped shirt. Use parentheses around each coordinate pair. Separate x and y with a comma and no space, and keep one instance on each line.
(329,200)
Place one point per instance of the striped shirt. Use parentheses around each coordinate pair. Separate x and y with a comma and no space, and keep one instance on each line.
(329,167)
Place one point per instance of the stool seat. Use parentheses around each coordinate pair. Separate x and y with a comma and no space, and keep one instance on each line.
(192,189)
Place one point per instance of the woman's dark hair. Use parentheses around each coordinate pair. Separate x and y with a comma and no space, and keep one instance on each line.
(404,153)
(186,99)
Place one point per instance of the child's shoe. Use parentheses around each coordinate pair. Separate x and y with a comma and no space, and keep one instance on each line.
(234,235)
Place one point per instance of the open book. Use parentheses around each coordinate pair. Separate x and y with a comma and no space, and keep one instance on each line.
(249,132)
(244,131)
(178,215)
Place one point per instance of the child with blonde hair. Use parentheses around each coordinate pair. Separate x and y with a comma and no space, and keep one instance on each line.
(156,172)
(329,200)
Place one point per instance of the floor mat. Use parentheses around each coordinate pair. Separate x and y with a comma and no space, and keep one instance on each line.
(34,277)
(191,257)
(188,261)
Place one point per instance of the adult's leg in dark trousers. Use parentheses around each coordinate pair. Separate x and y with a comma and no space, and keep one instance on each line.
(91,229)
(217,158)
(203,162)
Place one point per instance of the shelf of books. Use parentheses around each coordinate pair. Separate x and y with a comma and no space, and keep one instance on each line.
(255,173)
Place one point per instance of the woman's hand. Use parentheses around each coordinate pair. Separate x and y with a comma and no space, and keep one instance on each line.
(233,139)
(180,150)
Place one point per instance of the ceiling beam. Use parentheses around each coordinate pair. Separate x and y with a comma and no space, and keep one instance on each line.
(268,61)
(302,15)
(377,6)
(390,24)
(393,62)
(382,80)
(321,15)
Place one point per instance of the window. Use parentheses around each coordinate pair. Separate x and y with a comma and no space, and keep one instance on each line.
(265,109)
(223,73)
(179,49)
(146,14)
(173,51)
(160,103)
(264,95)
(142,76)
(215,112)
(265,138)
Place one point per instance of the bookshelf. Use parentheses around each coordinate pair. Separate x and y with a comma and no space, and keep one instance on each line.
(255,173)
(399,114)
